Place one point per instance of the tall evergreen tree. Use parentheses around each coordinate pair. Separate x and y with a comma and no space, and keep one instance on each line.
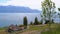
(25,22)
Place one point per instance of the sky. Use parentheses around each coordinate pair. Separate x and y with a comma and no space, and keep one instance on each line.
(33,4)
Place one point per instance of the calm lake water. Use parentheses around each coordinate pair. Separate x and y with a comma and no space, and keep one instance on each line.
(17,18)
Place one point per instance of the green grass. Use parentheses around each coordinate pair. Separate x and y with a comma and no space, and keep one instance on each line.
(37,27)
(55,29)
(2,28)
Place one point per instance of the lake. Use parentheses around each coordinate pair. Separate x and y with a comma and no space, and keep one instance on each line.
(7,19)
(17,18)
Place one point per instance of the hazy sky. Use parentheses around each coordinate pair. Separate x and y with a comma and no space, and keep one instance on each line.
(33,4)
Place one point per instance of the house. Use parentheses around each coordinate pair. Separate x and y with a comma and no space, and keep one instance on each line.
(12,28)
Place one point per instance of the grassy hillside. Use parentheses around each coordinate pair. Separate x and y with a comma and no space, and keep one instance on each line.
(31,28)
(55,29)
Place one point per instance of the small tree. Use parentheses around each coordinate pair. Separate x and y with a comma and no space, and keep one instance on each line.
(25,21)
(59,9)
(31,23)
(36,21)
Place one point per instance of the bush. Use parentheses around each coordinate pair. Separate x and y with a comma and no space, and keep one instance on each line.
(36,21)
(31,23)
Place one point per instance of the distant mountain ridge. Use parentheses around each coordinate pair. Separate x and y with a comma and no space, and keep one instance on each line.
(17,9)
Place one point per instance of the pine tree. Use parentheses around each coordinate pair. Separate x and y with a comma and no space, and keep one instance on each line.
(36,21)
(25,22)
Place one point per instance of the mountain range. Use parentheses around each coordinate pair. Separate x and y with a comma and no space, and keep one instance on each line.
(17,9)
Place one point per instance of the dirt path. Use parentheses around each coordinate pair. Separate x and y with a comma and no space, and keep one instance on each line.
(29,32)
(32,32)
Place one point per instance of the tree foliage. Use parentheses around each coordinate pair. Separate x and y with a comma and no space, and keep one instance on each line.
(36,21)
(59,13)
(59,9)
(48,8)
(47,21)
(31,23)
(25,21)
(41,22)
